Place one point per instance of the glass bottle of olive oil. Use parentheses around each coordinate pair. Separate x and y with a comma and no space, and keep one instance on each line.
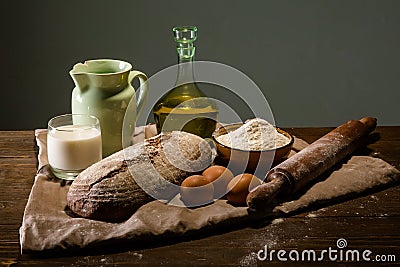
(186,107)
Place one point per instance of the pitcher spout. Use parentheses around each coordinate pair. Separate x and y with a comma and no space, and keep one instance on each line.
(79,76)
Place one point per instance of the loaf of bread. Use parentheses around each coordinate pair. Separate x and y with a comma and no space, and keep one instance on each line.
(112,189)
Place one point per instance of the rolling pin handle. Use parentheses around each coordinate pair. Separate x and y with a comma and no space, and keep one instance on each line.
(369,122)
(261,196)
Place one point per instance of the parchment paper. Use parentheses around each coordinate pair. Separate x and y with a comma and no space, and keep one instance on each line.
(47,224)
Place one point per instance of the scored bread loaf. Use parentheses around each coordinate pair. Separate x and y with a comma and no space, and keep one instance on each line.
(112,189)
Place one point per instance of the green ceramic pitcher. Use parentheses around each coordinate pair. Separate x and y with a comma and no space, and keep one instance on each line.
(103,89)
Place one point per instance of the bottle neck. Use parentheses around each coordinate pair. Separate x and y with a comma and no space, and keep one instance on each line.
(185,60)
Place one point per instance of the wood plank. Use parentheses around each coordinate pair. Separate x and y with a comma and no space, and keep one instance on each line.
(17,144)
(370,221)
(18,165)
(234,248)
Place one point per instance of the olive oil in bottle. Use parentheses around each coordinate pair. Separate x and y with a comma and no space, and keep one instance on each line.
(186,107)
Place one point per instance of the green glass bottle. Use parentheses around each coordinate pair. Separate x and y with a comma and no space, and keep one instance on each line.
(186,107)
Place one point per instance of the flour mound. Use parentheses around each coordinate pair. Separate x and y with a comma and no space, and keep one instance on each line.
(254,134)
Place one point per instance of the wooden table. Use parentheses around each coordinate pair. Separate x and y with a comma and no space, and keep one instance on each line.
(368,222)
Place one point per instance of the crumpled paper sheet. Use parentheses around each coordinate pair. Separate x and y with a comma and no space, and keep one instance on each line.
(47,224)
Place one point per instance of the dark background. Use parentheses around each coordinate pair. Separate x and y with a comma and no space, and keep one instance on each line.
(318,63)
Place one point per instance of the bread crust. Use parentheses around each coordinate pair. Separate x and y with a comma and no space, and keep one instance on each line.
(114,188)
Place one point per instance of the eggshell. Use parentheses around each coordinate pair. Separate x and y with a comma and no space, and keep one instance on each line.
(196,191)
(240,186)
(220,177)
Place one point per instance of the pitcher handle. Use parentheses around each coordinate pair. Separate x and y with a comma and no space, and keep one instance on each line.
(143,88)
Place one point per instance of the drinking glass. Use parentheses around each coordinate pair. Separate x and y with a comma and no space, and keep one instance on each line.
(73,144)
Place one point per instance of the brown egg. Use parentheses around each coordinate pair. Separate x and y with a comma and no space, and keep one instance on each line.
(240,186)
(220,177)
(196,191)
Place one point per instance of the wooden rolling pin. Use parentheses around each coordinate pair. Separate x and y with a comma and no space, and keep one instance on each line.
(297,171)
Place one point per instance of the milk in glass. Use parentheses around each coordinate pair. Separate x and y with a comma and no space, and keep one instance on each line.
(73,144)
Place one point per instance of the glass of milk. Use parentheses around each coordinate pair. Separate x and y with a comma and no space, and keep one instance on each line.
(73,144)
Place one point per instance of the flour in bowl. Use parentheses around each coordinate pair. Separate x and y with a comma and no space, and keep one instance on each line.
(254,134)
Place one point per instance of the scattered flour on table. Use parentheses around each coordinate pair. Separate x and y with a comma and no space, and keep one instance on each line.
(254,134)
(249,260)
(278,220)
